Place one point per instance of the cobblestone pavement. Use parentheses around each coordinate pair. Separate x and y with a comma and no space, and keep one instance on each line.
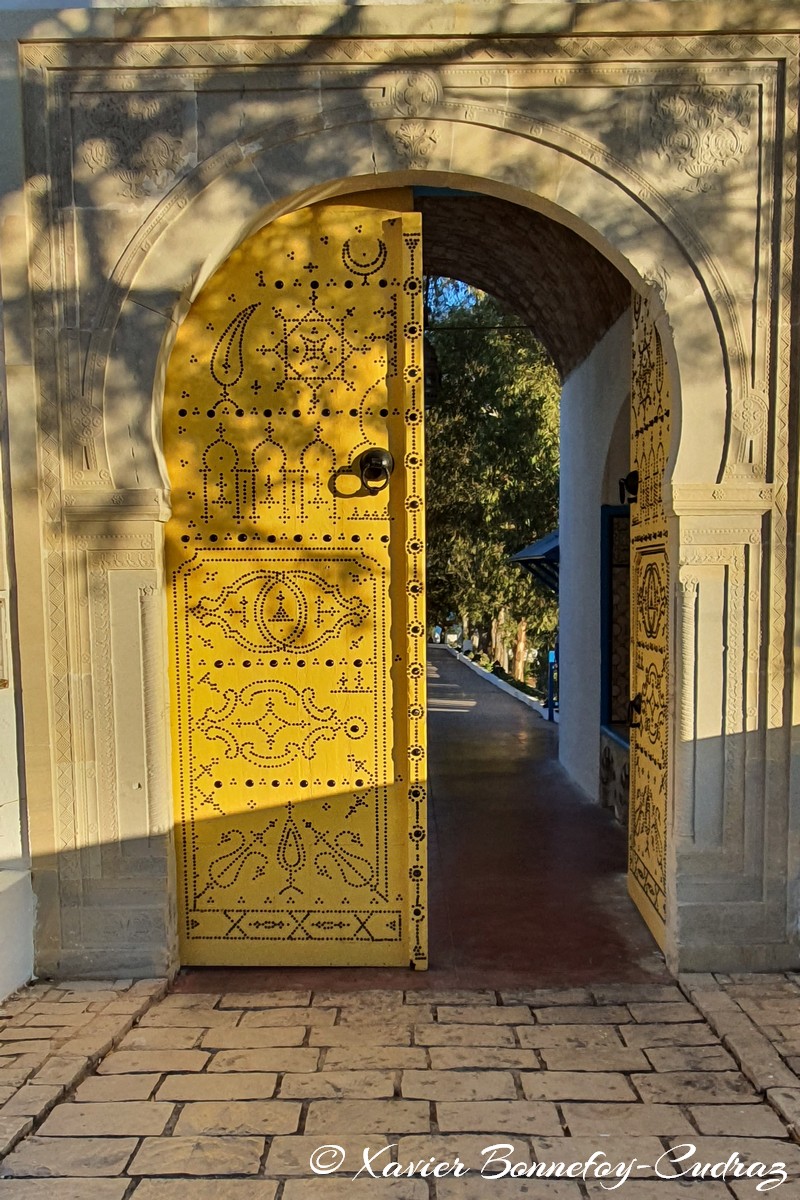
(112,1092)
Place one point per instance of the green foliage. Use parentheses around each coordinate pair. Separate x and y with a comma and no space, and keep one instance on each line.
(492,453)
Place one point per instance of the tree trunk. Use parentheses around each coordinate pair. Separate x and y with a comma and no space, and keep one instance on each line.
(520,650)
(464,626)
(499,648)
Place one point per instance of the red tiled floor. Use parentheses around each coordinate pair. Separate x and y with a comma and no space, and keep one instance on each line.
(527,877)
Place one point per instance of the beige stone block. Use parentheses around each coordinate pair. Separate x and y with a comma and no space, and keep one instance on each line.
(285,998)
(106,1089)
(279,1059)
(65,1008)
(198,1155)
(245,1085)
(232,1118)
(644,1036)
(63,1069)
(545,997)
(240,1038)
(516,1014)
(787,1103)
(686,1087)
(690,1058)
(32,1100)
(595,1058)
(362,1085)
(463,1035)
(368,1058)
(190,1018)
(62,1189)
(646,1151)
(36,1046)
(329,1117)
(160,1038)
(193,1000)
(60,1014)
(205,1189)
(292,1155)
(583,1014)
(125,1062)
(464,1085)
(640,1189)
(481,1058)
(467,1148)
(129,1006)
(12,1128)
(14,1076)
(637,993)
(360,997)
(22,1033)
(750,1150)
(744,1120)
(760,1062)
(135,1118)
(92,1046)
(472,1188)
(576,1036)
(402,1017)
(257,1018)
(635,1120)
(451,996)
(674,1013)
(153,988)
(576,1085)
(80,1157)
(497,1116)
(331,1188)
(360,1035)
(773,1012)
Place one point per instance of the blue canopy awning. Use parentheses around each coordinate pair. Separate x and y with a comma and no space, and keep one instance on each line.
(542,560)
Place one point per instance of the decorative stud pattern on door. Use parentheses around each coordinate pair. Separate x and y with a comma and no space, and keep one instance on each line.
(296,595)
(650,439)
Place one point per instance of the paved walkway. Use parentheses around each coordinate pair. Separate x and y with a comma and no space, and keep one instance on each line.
(228,1087)
(232,1096)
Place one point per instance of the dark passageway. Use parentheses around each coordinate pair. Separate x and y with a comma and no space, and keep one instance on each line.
(527,878)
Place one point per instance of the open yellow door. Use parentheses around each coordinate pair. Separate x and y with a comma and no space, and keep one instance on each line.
(649,745)
(295,561)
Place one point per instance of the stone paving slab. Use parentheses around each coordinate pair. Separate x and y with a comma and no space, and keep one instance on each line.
(87,1156)
(198,1155)
(202,1189)
(75,1025)
(227,1096)
(63,1189)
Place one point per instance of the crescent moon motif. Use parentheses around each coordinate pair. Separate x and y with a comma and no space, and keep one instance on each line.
(364,269)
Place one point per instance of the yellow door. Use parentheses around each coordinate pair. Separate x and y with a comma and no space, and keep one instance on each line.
(649,746)
(295,566)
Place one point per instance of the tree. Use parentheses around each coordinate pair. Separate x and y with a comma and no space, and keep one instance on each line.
(492,484)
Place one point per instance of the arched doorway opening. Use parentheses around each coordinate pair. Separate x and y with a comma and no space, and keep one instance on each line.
(228,479)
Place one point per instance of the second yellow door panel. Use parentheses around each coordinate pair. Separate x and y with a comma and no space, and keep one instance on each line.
(649,746)
(296,596)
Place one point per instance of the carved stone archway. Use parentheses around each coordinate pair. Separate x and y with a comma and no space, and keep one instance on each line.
(145,179)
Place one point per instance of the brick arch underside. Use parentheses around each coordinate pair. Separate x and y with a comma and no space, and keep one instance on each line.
(562,287)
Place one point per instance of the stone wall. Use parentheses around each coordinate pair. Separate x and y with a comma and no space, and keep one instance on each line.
(663,140)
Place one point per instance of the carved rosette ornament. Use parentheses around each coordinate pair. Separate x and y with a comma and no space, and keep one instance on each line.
(135,138)
(413,95)
(415,142)
(701,131)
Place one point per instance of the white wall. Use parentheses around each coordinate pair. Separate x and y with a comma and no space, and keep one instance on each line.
(594,438)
